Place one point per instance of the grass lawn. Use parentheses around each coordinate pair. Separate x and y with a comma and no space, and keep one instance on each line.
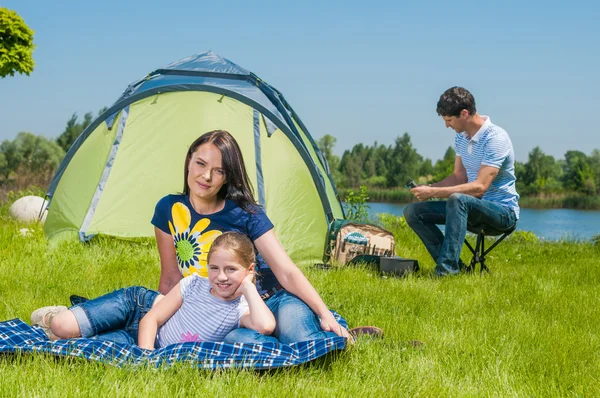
(528,329)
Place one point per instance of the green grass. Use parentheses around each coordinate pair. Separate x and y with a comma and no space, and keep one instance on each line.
(528,329)
(572,201)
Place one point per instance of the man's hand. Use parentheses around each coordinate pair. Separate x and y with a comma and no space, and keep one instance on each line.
(423,192)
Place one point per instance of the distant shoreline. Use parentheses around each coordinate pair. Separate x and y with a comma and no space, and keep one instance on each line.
(554,201)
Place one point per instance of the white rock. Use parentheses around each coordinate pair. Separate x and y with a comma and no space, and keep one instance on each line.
(24,231)
(28,208)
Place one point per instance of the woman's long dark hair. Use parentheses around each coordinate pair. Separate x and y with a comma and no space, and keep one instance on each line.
(238,186)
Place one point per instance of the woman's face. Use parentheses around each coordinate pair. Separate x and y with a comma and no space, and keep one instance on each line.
(206,174)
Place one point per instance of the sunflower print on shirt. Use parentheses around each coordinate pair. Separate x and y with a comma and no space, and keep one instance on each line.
(191,245)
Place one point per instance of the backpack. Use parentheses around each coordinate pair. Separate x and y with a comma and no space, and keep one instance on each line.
(348,240)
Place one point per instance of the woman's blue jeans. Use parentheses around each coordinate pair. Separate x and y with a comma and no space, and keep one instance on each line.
(295,321)
(115,316)
(458,212)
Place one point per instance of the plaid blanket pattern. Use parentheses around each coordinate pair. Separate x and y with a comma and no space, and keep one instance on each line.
(17,336)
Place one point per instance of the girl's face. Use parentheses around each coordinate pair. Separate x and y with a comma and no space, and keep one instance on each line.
(206,174)
(225,273)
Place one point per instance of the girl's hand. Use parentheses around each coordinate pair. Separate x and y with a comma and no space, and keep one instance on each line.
(247,283)
(329,324)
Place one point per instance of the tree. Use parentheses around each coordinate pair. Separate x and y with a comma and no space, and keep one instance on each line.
(29,155)
(540,171)
(405,162)
(382,157)
(426,168)
(445,166)
(351,165)
(578,175)
(11,158)
(73,130)
(519,174)
(595,165)
(16,45)
(38,154)
(326,145)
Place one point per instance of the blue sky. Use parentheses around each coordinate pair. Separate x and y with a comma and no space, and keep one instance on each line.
(360,71)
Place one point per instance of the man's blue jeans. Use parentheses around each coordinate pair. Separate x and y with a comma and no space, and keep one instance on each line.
(458,212)
(295,321)
(115,316)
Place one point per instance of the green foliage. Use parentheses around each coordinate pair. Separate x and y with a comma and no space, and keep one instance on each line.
(542,181)
(541,173)
(352,165)
(392,222)
(38,153)
(578,175)
(3,163)
(426,168)
(32,190)
(11,157)
(445,166)
(73,129)
(30,155)
(377,181)
(561,201)
(16,45)
(405,162)
(326,144)
(387,195)
(524,237)
(594,161)
(356,205)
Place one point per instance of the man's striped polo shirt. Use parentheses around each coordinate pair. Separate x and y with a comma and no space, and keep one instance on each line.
(491,146)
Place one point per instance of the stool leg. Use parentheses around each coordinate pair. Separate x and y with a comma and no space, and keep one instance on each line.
(482,257)
(478,258)
(469,268)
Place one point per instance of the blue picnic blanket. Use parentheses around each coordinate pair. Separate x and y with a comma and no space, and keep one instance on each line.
(18,337)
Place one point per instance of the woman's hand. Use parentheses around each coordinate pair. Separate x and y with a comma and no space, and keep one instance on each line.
(293,280)
(329,324)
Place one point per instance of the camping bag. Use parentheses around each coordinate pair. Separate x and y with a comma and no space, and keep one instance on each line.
(348,239)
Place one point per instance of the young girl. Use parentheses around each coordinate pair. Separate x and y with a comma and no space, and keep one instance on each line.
(217,197)
(196,309)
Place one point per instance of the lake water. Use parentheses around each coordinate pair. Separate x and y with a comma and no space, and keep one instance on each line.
(552,224)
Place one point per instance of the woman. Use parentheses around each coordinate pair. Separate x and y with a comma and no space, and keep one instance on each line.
(217,197)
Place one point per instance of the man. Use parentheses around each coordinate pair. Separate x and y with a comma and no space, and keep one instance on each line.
(481,190)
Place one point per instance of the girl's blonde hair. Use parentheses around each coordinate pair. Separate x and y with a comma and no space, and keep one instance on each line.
(237,244)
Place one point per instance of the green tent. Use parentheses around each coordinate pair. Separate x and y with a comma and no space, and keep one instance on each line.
(133,154)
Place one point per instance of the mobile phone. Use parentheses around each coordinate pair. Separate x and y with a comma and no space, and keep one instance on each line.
(410,184)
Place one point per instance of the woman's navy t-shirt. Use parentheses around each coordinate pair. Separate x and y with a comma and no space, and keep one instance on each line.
(193,233)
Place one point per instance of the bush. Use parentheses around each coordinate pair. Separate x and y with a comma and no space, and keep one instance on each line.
(524,237)
(392,222)
(356,205)
(29,159)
